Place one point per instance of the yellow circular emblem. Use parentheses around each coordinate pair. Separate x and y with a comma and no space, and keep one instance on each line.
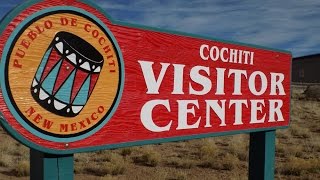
(63,74)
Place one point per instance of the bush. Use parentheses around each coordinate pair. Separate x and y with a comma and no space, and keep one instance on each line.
(300,132)
(224,162)
(148,159)
(105,169)
(22,168)
(297,166)
(312,92)
(126,152)
(207,149)
(181,163)
(179,175)
(5,160)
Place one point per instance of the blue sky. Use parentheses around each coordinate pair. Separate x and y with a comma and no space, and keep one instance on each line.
(292,25)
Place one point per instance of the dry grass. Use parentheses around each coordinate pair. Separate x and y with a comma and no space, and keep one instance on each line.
(21,168)
(298,167)
(101,163)
(180,163)
(207,148)
(104,169)
(297,154)
(300,132)
(179,175)
(147,157)
(221,162)
(14,157)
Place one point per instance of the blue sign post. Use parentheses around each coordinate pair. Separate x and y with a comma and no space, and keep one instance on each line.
(262,155)
(50,166)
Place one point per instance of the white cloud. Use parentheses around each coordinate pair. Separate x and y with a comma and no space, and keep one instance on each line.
(277,24)
(291,26)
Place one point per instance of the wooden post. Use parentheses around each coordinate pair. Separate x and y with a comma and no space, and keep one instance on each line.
(262,155)
(50,166)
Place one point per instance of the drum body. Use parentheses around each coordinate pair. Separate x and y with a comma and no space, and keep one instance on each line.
(67,75)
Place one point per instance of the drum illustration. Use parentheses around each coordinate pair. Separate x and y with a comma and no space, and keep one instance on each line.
(67,75)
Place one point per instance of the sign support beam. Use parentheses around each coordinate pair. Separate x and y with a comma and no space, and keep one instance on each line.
(45,166)
(262,155)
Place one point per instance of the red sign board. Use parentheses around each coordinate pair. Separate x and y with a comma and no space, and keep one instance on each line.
(73,80)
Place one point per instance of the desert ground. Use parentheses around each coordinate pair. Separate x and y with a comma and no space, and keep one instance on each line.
(297,154)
